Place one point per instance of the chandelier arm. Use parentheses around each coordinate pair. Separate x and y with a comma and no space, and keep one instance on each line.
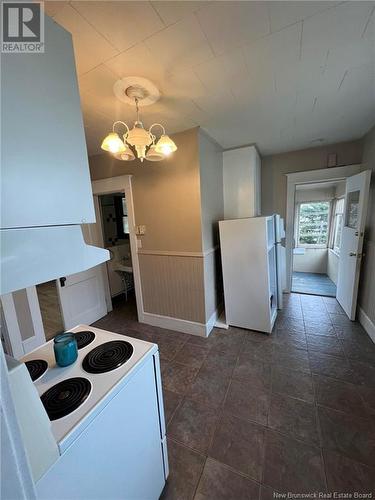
(122,123)
(156,125)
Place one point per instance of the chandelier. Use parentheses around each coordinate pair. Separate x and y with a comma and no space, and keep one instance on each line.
(137,141)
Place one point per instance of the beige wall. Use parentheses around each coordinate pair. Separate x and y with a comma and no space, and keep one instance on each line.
(166,194)
(211,186)
(275,167)
(367,279)
(179,201)
(212,207)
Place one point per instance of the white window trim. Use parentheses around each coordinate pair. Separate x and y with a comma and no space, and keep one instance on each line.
(296,236)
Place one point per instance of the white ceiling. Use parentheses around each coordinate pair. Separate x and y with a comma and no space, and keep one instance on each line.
(278,74)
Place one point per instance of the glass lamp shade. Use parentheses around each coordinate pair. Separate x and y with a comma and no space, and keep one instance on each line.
(165,145)
(153,155)
(113,143)
(138,137)
(126,155)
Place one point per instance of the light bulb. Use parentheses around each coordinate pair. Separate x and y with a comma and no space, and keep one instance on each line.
(113,143)
(166,149)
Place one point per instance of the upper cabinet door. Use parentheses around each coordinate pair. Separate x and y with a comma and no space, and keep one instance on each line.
(45,173)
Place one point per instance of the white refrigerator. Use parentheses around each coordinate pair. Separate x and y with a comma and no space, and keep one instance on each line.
(250,251)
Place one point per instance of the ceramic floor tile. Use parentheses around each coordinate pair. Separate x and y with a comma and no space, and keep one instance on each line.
(286,339)
(331,366)
(345,475)
(339,395)
(363,372)
(193,425)
(293,325)
(185,469)
(325,345)
(171,401)
(293,359)
(219,483)
(228,341)
(349,435)
(177,377)
(191,355)
(257,350)
(293,383)
(209,387)
(360,350)
(220,361)
(267,493)
(254,371)
(248,402)
(295,418)
(239,444)
(340,320)
(291,466)
(320,328)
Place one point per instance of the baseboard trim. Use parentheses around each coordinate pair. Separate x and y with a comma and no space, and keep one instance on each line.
(367,324)
(211,322)
(177,324)
(180,325)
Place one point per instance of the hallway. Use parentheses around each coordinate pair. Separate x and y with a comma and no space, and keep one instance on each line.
(250,414)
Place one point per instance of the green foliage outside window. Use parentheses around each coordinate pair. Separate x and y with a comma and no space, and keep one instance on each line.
(313,223)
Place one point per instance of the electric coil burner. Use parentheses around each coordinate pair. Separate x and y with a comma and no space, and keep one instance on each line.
(65,397)
(84,338)
(107,356)
(36,368)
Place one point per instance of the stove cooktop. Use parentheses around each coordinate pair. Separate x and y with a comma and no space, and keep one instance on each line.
(36,368)
(65,397)
(107,357)
(84,338)
(125,355)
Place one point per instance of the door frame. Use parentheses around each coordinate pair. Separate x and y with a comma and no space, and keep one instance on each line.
(123,183)
(307,177)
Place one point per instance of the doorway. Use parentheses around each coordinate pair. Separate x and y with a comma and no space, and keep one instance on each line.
(121,275)
(318,215)
(116,239)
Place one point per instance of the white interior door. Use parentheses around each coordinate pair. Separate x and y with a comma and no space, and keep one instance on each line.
(82,295)
(21,322)
(355,211)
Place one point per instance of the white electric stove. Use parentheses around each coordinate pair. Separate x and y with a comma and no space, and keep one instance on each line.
(106,415)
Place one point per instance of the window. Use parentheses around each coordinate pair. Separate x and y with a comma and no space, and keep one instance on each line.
(313,223)
(337,224)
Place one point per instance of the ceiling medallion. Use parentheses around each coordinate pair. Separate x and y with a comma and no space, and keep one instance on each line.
(137,141)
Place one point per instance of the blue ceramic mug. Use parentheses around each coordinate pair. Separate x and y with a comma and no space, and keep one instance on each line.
(65,347)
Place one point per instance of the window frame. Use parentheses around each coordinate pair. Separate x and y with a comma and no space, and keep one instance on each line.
(297,232)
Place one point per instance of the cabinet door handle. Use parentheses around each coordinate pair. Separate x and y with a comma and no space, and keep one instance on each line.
(352,254)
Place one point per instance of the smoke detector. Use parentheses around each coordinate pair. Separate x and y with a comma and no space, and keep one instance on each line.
(130,88)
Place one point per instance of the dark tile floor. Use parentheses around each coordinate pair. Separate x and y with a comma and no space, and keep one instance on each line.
(313,283)
(250,414)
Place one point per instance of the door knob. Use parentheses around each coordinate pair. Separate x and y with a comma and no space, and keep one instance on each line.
(359,255)
(352,254)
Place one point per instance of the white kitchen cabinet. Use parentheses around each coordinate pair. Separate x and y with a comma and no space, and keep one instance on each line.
(45,173)
(241,180)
